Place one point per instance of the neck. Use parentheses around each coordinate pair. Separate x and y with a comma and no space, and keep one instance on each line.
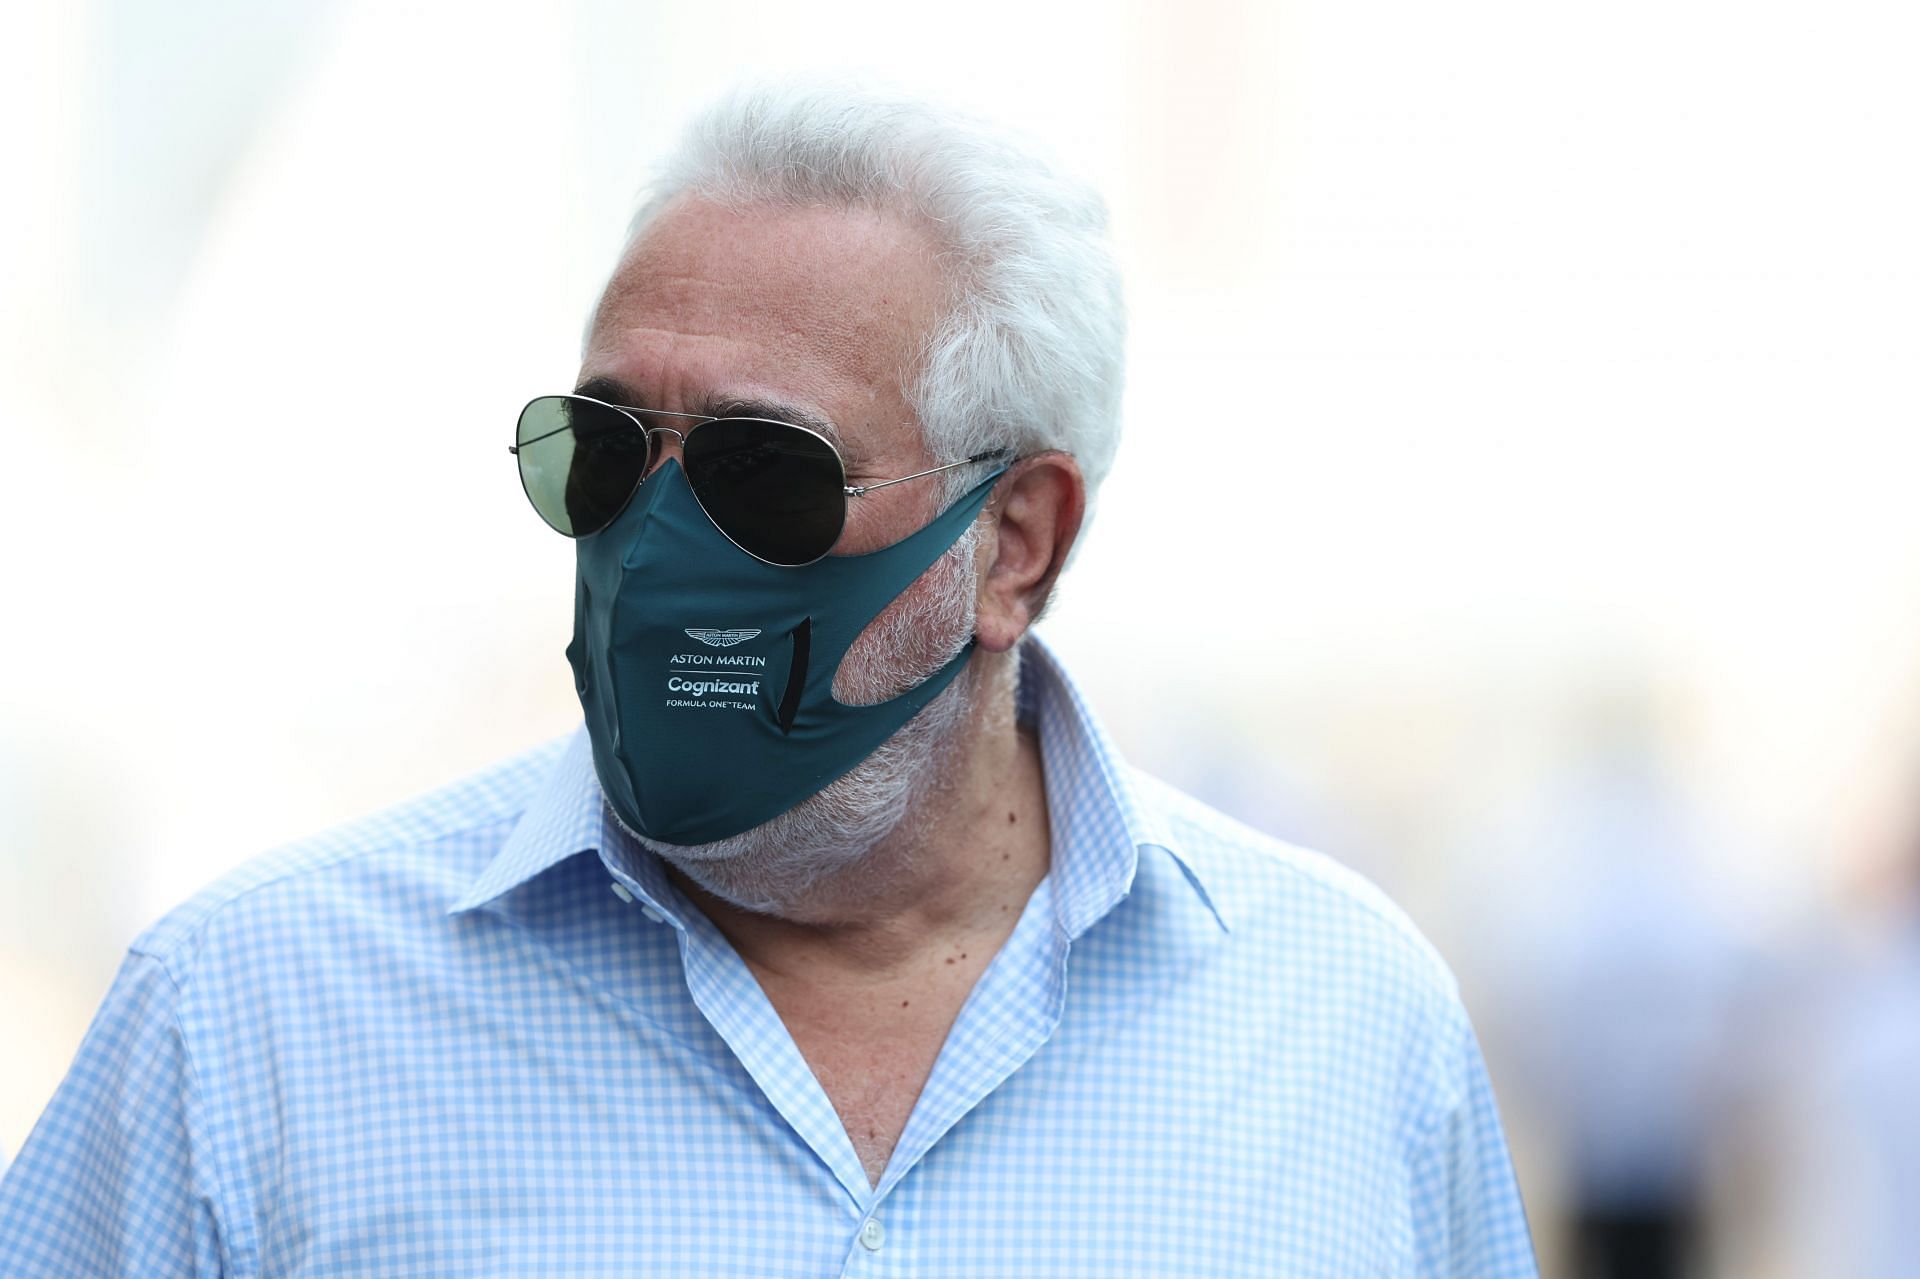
(957,868)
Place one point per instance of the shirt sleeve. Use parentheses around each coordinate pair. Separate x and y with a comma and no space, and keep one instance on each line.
(1467,1215)
(112,1180)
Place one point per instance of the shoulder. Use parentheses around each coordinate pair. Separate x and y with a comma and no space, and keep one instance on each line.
(1296,905)
(1317,958)
(414,854)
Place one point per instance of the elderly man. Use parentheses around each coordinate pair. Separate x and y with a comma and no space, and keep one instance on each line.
(840,940)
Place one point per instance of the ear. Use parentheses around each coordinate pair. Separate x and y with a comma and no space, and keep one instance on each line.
(1035,515)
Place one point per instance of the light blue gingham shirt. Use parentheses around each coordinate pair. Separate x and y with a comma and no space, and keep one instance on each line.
(437,1044)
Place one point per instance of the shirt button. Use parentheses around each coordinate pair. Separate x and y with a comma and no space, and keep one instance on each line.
(652,914)
(620,891)
(872,1235)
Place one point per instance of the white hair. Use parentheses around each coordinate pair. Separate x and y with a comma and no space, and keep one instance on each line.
(1029,352)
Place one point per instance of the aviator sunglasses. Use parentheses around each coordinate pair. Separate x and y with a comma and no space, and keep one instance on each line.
(775,490)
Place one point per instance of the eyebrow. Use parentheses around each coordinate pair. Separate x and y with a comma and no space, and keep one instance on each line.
(613,391)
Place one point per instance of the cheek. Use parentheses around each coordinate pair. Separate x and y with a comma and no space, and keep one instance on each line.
(912,638)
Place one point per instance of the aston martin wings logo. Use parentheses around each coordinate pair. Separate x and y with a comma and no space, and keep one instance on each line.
(719,639)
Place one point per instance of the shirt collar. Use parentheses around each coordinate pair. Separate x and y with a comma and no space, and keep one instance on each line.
(564,819)
(1098,822)
(1098,818)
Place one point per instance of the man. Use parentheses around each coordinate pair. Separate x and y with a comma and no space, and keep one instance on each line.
(840,940)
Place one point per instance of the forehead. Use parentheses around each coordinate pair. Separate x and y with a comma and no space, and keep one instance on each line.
(821,307)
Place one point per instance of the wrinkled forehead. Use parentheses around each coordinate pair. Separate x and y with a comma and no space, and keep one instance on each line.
(828,306)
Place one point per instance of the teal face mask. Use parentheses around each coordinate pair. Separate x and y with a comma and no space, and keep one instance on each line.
(707,675)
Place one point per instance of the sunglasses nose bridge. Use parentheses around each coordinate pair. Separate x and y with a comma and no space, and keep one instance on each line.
(661,449)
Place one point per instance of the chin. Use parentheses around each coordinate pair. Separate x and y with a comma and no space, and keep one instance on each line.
(791,857)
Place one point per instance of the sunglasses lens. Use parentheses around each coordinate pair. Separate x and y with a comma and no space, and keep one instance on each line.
(776,490)
(579,461)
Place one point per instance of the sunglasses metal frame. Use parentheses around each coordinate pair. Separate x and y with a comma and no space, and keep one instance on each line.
(701,419)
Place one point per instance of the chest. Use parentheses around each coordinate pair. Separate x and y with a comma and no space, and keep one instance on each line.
(1128,1146)
(872,1055)
(1184,1118)
(873,1088)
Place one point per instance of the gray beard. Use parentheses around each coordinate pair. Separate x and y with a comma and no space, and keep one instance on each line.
(784,860)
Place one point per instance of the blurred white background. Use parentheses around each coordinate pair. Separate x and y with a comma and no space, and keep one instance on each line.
(1521,418)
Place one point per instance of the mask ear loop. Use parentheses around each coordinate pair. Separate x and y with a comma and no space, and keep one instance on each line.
(986,493)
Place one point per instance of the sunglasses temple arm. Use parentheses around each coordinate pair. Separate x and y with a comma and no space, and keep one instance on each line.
(644,428)
(515,448)
(989,455)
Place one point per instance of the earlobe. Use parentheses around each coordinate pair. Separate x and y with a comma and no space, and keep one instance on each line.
(1036,516)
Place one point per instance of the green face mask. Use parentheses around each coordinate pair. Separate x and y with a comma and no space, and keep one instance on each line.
(707,675)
